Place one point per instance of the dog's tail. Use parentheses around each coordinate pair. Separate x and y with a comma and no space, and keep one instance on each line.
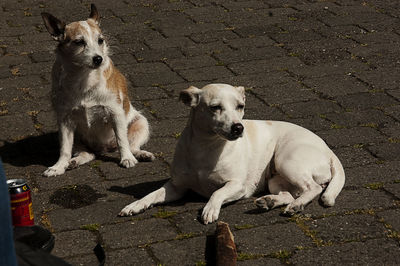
(336,184)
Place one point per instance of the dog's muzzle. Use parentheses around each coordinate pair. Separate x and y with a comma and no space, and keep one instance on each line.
(237,130)
(97,60)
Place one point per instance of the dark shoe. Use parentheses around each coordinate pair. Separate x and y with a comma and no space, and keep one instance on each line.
(35,237)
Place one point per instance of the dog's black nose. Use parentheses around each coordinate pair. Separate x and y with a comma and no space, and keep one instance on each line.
(237,129)
(97,60)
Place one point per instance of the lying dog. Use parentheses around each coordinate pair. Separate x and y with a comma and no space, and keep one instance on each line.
(225,158)
(90,98)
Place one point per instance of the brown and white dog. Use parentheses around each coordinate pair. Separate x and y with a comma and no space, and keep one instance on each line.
(90,98)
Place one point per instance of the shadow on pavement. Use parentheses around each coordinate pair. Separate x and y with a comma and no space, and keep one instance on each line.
(36,150)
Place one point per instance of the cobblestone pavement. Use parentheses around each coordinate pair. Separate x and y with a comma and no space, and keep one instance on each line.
(330,66)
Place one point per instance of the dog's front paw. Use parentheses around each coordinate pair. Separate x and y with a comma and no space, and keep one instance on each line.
(144,156)
(128,162)
(292,209)
(133,208)
(210,213)
(54,171)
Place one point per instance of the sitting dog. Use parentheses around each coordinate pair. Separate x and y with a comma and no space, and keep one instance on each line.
(90,98)
(224,158)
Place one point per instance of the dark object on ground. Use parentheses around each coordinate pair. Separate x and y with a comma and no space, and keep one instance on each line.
(226,248)
(27,256)
(36,237)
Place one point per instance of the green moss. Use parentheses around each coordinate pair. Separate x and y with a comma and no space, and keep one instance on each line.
(185,236)
(247,256)
(336,126)
(374,186)
(243,226)
(176,135)
(90,227)
(358,146)
(394,140)
(200,263)
(371,125)
(163,214)
(281,254)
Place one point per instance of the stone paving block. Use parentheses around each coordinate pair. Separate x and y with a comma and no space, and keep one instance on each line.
(85,174)
(183,252)
(136,233)
(83,260)
(333,86)
(286,93)
(365,135)
(385,172)
(97,214)
(213,36)
(73,243)
(314,123)
(339,67)
(391,217)
(366,118)
(392,131)
(131,256)
(394,188)
(393,111)
(374,78)
(268,239)
(16,127)
(386,151)
(347,202)
(192,62)
(349,228)
(375,251)
(354,156)
(168,108)
(309,108)
(259,262)
(265,66)
(250,53)
(259,41)
(205,73)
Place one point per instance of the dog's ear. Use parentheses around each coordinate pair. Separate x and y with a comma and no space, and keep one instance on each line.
(94,14)
(54,26)
(190,96)
(241,90)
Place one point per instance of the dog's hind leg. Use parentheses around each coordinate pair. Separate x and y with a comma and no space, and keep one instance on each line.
(167,193)
(138,134)
(280,196)
(80,158)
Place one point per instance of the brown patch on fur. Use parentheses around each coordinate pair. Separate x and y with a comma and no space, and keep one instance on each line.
(73,29)
(93,25)
(116,82)
(268,123)
(249,128)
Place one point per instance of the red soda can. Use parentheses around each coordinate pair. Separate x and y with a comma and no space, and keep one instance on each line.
(21,202)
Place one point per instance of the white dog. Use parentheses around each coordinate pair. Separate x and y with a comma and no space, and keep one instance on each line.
(225,158)
(90,97)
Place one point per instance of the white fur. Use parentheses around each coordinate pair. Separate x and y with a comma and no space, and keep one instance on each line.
(225,168)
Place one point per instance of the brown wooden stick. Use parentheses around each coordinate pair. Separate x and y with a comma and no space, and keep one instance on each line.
(226,249)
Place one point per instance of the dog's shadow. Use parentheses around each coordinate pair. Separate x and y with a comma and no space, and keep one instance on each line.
(40,150)
(140,190)
(35,150)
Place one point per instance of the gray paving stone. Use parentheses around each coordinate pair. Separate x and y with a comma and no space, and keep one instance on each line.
(136,233)
(355,136)
(342,229)
(185,252)
(131,256)
(73,243)
(391,217)
(267,239)
(373,251)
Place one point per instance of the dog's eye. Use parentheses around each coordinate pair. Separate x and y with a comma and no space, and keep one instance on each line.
(240,107)
(80,42)
(100,41)
(215,108)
